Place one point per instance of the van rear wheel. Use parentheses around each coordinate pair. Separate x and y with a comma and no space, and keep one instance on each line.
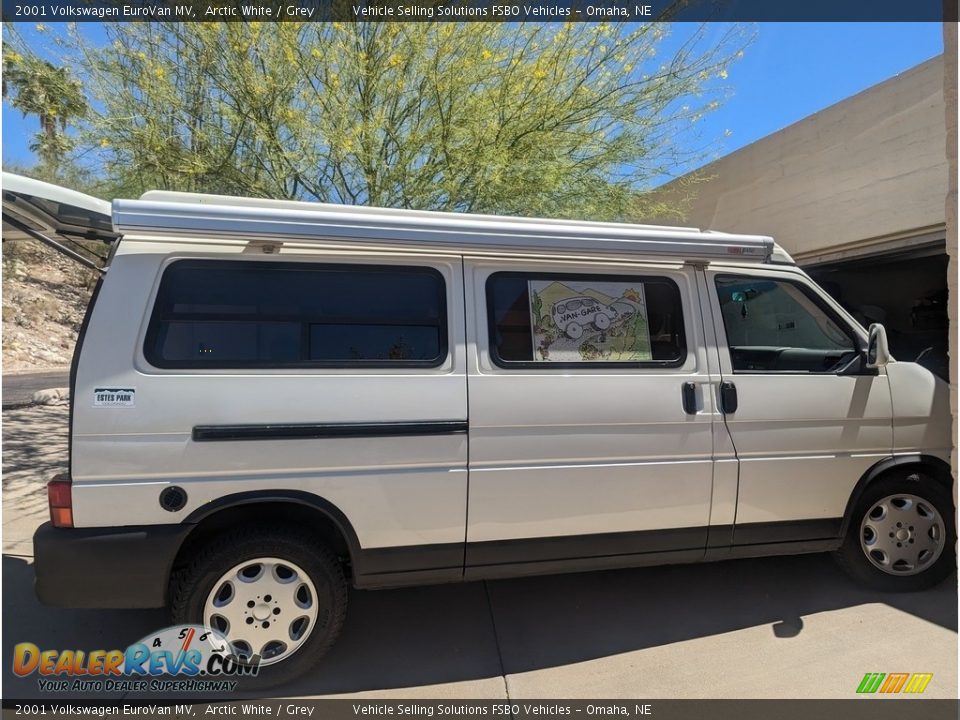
(901,534)
(271,592)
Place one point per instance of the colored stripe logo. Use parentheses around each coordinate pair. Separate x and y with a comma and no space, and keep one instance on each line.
(918,682)
(891,683)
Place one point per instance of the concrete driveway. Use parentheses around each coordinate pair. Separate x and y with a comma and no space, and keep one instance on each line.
(776,627)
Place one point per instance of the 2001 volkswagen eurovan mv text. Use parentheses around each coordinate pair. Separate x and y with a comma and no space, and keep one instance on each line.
(273,400)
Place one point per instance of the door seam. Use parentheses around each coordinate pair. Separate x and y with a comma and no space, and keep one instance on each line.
(466,383)
(718,338)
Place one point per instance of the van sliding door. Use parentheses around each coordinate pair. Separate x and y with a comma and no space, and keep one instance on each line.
(590,416)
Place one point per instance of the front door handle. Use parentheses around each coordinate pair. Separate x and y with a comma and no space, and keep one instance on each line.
(728,397)
(688,392)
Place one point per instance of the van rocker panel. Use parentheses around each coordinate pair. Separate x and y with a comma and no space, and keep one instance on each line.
(129,567)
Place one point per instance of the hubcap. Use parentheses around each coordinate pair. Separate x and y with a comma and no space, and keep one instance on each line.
(902,534)
(265,606)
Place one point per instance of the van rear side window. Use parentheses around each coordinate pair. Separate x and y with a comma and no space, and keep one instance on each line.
(249,314)
(566,320)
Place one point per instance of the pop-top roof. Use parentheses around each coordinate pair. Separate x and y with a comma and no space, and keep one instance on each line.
(187,215)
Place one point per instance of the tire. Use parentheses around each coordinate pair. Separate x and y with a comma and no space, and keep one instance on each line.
(318,589)
(601,321)
(573,331)
(896,564)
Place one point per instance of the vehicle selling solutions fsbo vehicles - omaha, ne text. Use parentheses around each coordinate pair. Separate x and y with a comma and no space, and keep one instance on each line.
(272,400)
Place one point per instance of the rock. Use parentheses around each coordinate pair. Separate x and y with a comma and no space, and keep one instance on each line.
(51,396)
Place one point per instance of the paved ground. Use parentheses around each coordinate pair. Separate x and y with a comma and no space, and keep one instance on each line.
(18,388)
(777,627)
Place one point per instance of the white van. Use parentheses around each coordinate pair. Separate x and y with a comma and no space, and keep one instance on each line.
(272,401)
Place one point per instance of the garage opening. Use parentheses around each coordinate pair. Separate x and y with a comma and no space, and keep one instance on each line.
(906,291)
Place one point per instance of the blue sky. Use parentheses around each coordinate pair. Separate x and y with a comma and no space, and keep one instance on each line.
(790,71)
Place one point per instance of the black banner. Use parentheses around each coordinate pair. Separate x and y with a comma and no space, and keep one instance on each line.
(875,708)
(479,10)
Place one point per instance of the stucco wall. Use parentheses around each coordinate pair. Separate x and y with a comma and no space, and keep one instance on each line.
(867,170)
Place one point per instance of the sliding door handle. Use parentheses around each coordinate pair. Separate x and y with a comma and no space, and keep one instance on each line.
(688,392)
(728,397)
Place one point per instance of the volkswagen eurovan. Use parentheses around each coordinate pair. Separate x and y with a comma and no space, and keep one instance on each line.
(272,401)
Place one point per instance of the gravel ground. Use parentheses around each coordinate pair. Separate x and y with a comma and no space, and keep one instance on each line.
(44,298)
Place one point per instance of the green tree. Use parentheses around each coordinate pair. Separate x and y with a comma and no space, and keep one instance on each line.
(532,119)
(38,87)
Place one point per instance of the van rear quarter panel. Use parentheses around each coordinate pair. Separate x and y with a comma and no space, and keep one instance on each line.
(395,491)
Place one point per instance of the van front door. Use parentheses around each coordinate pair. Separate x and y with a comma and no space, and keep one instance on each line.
(806,422)
(590,416)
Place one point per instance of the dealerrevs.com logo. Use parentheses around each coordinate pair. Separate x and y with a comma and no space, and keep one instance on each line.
(891,683)
(201,657)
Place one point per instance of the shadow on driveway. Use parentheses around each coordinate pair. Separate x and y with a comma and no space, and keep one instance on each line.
(423,636)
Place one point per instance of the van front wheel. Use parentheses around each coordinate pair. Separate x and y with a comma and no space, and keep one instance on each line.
(900,535)
(272,593)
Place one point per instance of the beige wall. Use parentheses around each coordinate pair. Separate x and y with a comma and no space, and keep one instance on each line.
(865,171)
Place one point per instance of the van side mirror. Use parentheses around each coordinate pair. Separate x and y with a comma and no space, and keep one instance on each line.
(878,351)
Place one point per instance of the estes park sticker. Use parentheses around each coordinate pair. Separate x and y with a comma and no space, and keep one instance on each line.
(114,397)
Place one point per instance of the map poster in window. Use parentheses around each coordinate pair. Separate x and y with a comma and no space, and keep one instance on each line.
(589,321)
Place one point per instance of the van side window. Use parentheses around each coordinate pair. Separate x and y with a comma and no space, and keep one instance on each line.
(239,314)
(779,326)
(574,320)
